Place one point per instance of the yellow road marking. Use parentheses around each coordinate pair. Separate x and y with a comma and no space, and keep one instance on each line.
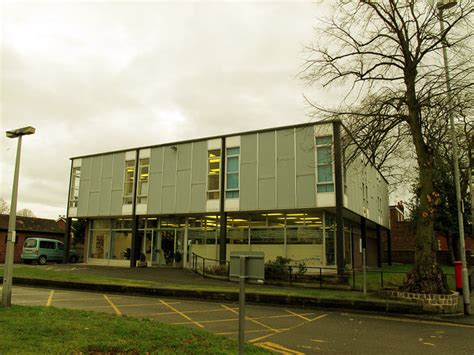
(247,331)
(117,311)
(181,314)
(278,348)
(296,326)
(251,319)
(430,344)
(408,320)
(318,341)
(50,298)
(298,315)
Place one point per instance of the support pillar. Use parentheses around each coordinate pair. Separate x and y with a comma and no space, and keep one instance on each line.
(379,246)
(389,248)
(223,214)
(135,246)
(339,190)
(67,240)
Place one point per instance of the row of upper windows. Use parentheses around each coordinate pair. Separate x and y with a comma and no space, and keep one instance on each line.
(324,162)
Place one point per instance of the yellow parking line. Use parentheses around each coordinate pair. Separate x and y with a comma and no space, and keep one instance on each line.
(278,348)
(247,331)
(181,314)
(117,311)
(291,328)
(50,298)
(298,315)
(251,319)
(408,320)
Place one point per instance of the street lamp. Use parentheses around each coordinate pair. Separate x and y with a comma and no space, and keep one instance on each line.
(8,269)
(444,5)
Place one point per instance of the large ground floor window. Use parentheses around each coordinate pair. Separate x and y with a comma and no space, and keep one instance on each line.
(110,239)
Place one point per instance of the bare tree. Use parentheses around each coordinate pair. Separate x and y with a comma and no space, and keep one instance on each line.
(389,51)
(25,212)
(4,208)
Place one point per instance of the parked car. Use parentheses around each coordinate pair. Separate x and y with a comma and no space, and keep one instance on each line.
(43,250)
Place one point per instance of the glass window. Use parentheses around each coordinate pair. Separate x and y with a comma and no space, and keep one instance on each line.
(267,235)
(324,164)
(330,239)
(304,235)
(74,193)
(213,173)
(143,177)
(47,245)
(30,243)
(121,245)
(128,182)
(60,246)
(232,173)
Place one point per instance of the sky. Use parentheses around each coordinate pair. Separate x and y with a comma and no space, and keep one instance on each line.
(101,76)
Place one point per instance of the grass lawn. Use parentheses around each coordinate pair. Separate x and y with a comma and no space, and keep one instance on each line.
(51,330)
(45,274)
(393,276)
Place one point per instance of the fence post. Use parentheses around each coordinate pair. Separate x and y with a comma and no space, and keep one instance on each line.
(320,278)
(203,267)
(353,279)
(381,278)
(290,273)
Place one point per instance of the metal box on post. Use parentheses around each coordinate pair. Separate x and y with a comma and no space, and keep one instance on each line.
(254,266)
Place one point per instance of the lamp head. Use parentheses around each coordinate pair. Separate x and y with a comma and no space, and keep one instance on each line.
(20,132)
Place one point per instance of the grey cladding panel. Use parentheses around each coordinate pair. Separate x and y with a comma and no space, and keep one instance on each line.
(156,159)
(86,168)
(169,171)
(182,191)
(248,148)
(93,204)
(306,191)
(154,194)
(116,203)
(96,173)
(107,164)
(266,155)
(285,144)
(266,194)
(105,196)
(248,186)
(184,156)
(305,164)
(83,205)
(198,197)
(199,163)
(168,199)
(286,183)
(119,167)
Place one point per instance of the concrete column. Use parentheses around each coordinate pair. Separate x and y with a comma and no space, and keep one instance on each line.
(339,190)
(379,246)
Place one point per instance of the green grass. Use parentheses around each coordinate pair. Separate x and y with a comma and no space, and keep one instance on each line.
(51,330)
(393,277)
(44,274)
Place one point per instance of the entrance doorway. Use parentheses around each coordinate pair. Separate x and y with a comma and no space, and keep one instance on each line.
(161,245)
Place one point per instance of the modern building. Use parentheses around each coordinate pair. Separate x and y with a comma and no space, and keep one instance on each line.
(29,227)
(284,191)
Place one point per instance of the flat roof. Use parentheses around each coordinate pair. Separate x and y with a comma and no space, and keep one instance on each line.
(209,137)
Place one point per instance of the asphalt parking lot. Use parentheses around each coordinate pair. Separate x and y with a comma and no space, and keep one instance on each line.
(280,329)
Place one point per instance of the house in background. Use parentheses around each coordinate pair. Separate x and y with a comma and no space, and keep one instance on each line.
(29,227)
(304,192)
(403,239)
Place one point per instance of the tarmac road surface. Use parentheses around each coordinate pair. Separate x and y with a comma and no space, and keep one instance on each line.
(279,329)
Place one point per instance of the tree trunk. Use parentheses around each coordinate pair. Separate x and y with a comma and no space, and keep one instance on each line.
(427,276)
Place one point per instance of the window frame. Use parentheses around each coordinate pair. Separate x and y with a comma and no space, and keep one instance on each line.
(74,191)
(142,198)
(214,192)
(227,173)
(127,199)
(325,186)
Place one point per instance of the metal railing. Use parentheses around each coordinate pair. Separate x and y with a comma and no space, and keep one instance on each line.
(312,276)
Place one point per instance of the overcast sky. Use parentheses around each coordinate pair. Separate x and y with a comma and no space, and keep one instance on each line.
(95,77)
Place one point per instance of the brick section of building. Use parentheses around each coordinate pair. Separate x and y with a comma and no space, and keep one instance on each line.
(29,227)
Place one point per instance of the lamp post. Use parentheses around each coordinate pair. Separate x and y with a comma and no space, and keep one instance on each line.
(8,269)
(443,5)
